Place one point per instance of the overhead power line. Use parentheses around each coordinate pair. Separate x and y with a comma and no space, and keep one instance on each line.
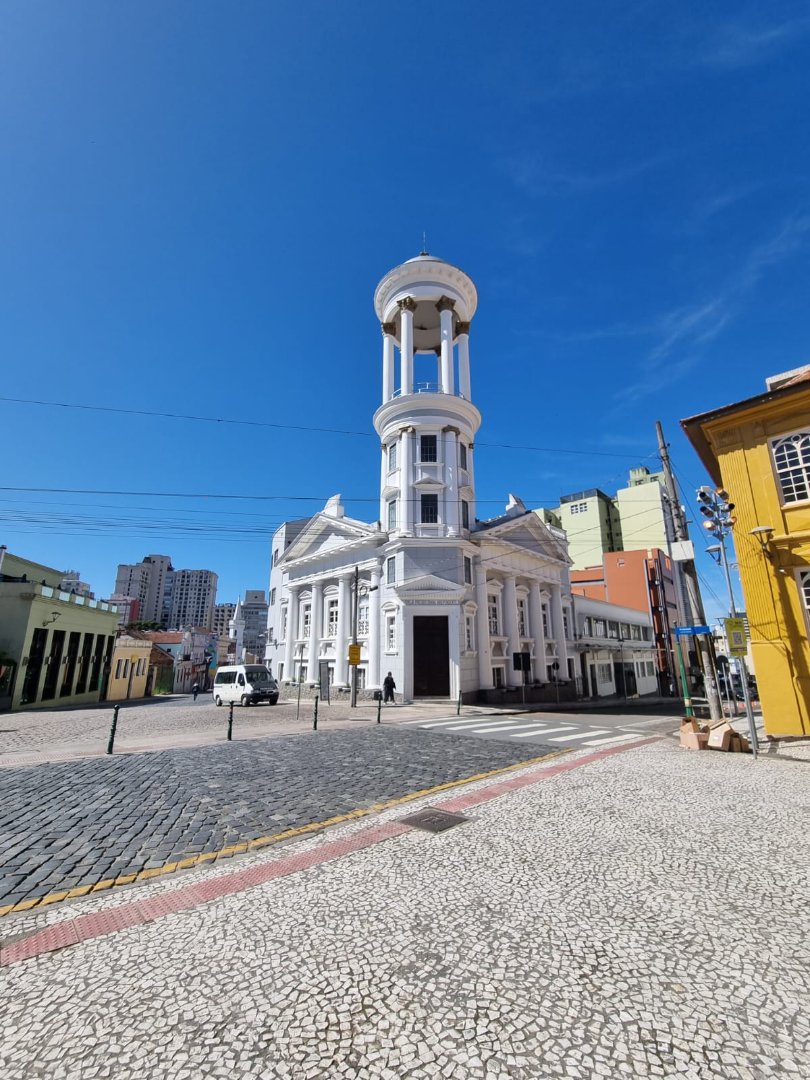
(286,427)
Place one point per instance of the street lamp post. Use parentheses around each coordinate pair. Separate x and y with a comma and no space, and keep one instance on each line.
(716,508)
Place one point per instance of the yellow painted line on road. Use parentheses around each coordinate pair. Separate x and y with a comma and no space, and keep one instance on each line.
(264,841)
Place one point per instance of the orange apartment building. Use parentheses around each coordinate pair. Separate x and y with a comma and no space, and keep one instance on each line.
(644,581)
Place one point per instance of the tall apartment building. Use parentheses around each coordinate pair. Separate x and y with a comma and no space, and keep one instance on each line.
(146,582)
(173,598)
(223,613)
(190,596)
(254,612)
(636,518)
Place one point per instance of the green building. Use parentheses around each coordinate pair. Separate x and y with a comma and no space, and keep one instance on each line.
(55,646)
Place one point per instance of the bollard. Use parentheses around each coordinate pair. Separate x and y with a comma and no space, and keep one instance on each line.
(379,707)
(315,720)
(112,729)
(230,723)
(458,704)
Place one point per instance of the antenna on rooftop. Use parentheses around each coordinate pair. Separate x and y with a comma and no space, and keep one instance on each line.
(424,250)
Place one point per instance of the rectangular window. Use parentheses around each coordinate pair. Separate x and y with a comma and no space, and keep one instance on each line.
(465,514)
(791,458)
(283,625)
(361,678)
(462,456)
(362,619)
(392,457)
(586,626)
(428,448)
(566,632)
(522,621)
(331,618)
(119,666)
(625,630)
(492,611)
(497,678)
(272,596)
(430,509)
(604,673)
(546,622)
(275,556)
(392,515)
(467,570)
(306,620)
(613,629)
(390,633)
(469,633)
(599,628)
(635,633)
(391,570)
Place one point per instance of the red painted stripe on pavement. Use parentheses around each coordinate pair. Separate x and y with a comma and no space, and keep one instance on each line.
(136,913)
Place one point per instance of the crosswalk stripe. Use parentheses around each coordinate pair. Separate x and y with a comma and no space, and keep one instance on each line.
(455,722)
(539,731)
(612,739)
(501,725)
(584,734)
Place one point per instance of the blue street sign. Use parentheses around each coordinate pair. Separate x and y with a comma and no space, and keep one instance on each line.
(690,631)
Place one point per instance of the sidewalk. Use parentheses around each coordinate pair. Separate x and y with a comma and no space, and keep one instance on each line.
(597,915)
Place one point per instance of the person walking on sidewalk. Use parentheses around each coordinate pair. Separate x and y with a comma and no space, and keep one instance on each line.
(195,690)
(389,686)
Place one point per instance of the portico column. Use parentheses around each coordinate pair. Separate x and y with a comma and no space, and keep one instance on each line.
(406,508)
(406,308)
(342,638)
(445,307)
(482,630)
(463,332)
(315,625)
(510,624)
(451,506)
(536,626)
(293,602)
(374,643)
(558,629)
(388,360)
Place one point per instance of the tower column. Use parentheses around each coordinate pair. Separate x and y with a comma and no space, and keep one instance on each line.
(407,306)
(406,508)
(451,503)
(315,626)
(374,643)
(463,330)
(293,601)
(445,308)
(536,627)
(482,629)
(342,638)
(388,360)
(510,624)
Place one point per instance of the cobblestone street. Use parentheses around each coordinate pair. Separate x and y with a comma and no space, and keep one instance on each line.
(619,914)
(71,825)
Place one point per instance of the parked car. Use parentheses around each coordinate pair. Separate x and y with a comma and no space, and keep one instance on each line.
(249,684)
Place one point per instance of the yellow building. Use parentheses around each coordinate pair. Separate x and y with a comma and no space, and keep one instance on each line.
(129,670)
(759,451)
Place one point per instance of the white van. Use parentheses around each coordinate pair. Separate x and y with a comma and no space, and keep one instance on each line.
(246,683)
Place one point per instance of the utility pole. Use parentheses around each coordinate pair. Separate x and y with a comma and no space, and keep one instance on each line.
(355,606)
(693,597)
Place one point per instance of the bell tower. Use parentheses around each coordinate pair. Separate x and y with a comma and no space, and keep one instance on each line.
(427,422)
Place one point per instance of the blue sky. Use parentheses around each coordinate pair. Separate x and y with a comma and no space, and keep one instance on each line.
(197,200)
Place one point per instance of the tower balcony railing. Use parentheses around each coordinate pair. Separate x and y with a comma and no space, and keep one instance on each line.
(426,388)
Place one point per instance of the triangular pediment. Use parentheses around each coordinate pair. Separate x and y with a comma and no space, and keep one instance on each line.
(430,586)
(526,531)
(325,535)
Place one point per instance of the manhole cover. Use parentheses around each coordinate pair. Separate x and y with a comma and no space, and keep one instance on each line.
(432,820)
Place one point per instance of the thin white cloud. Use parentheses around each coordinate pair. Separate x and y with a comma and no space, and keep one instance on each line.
(682,332)
(734,45)
(532,174)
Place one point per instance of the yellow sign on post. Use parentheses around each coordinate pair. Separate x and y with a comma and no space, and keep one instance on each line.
(354,654)
(735,636)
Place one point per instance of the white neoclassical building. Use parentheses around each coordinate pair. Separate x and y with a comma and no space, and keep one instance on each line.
(445,601)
